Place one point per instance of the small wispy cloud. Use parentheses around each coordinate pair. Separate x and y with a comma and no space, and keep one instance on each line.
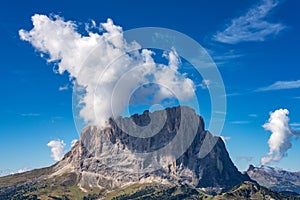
(246,158)
(63,88)
(252,26)
(56,119)
(233,94)
(204,84)
(240,122)
(219,112)
(281,85)
(30,114)
(224,57)
(295,126)
(278,85)
(252,115)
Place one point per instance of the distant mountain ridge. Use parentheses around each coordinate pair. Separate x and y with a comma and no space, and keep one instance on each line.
(276,179)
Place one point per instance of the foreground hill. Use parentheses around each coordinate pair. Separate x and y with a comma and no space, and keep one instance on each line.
(65,188)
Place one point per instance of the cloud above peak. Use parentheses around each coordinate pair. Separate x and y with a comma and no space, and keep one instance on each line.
(102,63)
(252,26)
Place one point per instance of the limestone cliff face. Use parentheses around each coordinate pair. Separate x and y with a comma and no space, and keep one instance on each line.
(180,152)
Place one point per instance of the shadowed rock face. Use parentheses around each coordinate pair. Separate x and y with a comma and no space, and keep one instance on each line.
(180,151)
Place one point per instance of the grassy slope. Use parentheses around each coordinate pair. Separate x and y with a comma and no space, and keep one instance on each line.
(65,187)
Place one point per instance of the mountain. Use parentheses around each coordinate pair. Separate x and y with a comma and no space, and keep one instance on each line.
(276,179)
(104,157)
(250,190)
(113,163)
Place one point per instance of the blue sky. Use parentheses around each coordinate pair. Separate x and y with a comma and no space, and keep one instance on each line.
(251,57)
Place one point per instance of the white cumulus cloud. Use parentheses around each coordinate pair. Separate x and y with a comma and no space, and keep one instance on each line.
(57,149)
(282,134)
(252,26)
(103,63)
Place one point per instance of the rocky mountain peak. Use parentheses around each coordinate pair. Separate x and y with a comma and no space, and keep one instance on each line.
(166,146)
(251,167)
